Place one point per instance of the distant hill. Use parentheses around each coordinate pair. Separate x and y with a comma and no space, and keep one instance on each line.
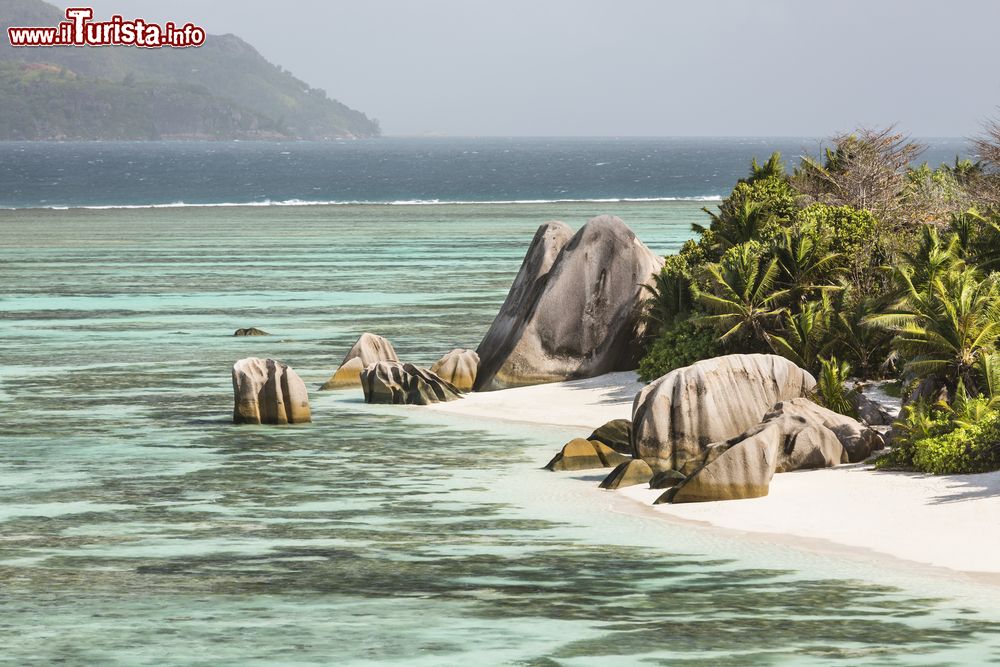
(222,90)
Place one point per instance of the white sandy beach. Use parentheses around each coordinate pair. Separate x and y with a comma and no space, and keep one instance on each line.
(946,521)
(585,404)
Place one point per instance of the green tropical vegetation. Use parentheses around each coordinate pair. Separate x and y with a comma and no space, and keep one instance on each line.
(859,264)
(222,90)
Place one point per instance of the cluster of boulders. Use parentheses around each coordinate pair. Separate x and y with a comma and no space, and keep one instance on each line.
(718,429)
(373,365)
(573,311)
(269,392)
(721,428)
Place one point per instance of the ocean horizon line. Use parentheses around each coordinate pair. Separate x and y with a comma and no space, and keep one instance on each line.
(334,202)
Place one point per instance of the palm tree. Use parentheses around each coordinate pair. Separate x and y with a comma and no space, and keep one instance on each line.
(981,237)
(830,389)
(804,334)
(866,347)
(773,168)
(803,267)
(962,227)
(932,257)
(945,330)
(670,297)
(965,171)
(742,297)
(745,223)
(989,376)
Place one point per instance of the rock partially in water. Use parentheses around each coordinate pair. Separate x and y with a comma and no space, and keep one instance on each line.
(580,454)
(573,310)
(252,331)
(676,417)
(629,473)
(368,349)
(458,367)
(266,391)
(395,383)
(616,434)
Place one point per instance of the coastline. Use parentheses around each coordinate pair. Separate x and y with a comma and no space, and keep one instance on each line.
(848,508)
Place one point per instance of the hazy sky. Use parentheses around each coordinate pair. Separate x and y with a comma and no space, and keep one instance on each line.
(628,67)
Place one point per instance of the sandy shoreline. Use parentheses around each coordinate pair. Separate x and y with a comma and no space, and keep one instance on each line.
(584,404)
(950,521)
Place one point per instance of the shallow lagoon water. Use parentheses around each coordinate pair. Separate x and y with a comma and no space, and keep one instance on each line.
(139,527)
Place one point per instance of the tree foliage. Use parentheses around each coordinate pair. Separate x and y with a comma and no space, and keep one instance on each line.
(857,263)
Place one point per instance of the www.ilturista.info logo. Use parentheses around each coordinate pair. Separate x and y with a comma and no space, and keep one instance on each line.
(79,30)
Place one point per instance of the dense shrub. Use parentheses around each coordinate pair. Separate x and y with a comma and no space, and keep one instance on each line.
(677,346)
(965,449)
(942,439)
(839,228)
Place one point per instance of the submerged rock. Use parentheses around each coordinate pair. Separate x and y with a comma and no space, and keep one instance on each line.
(629,473)
(252,331)
(616,434)
(580,454)
(396,383)
(266,391)
(368,350)
(458,367)
(676,417)
(573,310)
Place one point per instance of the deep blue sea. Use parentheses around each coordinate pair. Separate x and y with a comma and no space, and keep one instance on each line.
(139,526)
(390,170)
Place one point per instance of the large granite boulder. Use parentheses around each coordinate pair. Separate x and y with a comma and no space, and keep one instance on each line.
(368,350)
(580,454)
(458,367)
(676,417)
(733,470)
(530,281)
(858,440)
(795,435)
(396,383)
(266,391)
(616,434)
(629,473)
(573,310)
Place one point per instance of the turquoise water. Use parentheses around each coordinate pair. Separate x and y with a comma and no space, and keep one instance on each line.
(139,527)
